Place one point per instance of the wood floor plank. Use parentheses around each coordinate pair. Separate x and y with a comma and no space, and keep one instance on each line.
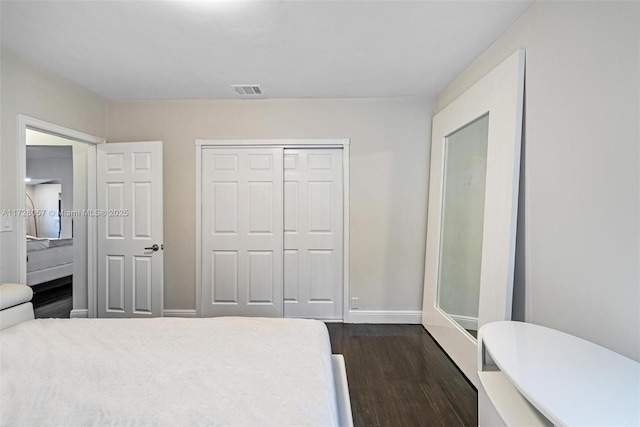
(53,302)
(398,376)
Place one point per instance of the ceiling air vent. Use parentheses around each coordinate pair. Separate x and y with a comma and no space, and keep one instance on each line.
(247,90)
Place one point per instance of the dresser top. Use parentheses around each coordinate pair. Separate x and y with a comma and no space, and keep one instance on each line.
(571,381)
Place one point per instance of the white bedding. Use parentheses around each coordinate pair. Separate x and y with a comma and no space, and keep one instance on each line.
(36,244)
(51,257)
(217,371)
(53,260)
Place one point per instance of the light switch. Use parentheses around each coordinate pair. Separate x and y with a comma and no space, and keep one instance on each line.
(7,224)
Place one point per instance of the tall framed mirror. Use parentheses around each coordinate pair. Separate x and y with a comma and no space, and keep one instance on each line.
(471,223)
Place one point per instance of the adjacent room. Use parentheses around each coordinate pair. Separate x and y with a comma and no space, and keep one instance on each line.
(396,208)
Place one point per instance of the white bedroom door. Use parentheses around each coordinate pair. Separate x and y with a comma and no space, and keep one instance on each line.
(313,210)
(130,229)
(242,232)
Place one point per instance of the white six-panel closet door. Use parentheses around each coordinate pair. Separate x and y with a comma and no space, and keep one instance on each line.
(242,232)
(313,210)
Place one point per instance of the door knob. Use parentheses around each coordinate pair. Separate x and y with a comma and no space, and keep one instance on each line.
(154,248)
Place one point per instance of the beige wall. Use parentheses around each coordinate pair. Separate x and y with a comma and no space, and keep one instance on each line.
(30,90)
(578,251)
(389,158)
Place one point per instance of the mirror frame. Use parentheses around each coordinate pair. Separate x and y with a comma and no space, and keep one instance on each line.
(500,94)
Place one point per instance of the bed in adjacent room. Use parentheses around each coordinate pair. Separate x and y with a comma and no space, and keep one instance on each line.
(48,259)
(166,371)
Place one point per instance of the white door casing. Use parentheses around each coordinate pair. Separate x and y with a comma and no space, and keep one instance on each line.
(313,209)
(242,232)
(25,123)
(129,193)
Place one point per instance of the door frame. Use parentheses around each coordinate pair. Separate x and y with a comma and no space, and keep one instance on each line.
(24,123)
(343,143)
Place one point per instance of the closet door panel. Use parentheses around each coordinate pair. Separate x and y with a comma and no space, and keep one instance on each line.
(313,240)
(225,200)
(224,277)
(320,202)
(242,232)
(291,275)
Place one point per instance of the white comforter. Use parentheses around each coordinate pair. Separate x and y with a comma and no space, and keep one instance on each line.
(178,372)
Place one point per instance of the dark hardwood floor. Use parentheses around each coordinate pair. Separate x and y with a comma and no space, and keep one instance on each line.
(398,376)
(52,301)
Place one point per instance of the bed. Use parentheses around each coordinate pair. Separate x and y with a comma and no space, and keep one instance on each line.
(226,371)
(48,259)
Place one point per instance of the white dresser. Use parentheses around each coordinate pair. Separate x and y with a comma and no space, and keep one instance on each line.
(530,375)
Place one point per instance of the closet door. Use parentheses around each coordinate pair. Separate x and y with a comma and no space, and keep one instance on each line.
(242,232)
(313,241)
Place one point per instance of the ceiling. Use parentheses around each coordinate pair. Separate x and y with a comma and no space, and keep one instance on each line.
(294,49)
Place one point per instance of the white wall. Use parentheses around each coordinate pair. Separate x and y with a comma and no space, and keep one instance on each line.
(30,90)
(389,174)
(579,239)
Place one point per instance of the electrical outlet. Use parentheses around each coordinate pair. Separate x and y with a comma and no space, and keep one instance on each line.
(7,224)
(355,302)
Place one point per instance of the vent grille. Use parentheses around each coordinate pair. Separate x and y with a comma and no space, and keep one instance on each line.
(247,90)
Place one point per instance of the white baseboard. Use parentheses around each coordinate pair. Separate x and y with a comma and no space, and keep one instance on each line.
(79,313)
(179,313)
(470,323)
(411,317)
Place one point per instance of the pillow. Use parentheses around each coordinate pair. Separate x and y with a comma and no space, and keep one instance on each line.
(13,294)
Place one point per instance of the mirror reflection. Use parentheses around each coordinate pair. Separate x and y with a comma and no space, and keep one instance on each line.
(465,170)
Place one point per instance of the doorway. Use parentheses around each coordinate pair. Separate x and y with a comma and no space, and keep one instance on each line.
(51,163)
(56,179)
